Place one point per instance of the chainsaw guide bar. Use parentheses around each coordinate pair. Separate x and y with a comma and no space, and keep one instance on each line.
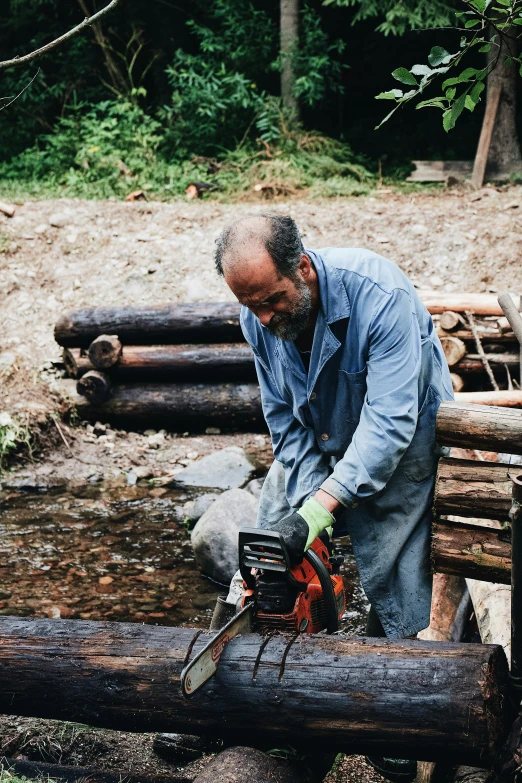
(204,664)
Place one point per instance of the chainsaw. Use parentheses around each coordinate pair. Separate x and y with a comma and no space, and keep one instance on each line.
(278,597)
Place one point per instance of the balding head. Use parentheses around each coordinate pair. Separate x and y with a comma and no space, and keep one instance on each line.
(276,235)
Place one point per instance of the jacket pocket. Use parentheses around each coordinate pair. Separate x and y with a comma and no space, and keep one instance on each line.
(420,459)
(351,392)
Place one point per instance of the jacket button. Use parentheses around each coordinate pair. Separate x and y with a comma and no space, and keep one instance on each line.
(313,395)
(354,504)
(324,436)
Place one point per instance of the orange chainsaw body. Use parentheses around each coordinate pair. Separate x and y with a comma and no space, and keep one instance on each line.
(305,614)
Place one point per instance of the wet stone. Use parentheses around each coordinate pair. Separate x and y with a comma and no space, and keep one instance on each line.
(226,469)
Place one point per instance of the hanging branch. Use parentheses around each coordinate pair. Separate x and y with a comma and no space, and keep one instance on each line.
(87,22)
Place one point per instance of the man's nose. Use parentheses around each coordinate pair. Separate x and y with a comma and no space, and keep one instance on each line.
(265,315)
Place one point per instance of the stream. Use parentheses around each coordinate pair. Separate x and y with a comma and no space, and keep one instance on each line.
(102,553)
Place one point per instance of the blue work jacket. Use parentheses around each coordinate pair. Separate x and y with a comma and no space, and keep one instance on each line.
(360,424)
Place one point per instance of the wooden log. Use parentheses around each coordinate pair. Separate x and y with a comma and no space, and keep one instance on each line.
(492,605)
(471,551)
(62,772)
(505,399)
(206,322)
(454,349)
(76,362)
(480,427)
(467,488)
(105,351)
(226,361)
(95,386)
(409,698)
(179,404)
(487,333)
(450,609)
(472,363)
(438,302)
(449,321)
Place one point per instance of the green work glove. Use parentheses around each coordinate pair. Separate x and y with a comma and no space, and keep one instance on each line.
(302,527)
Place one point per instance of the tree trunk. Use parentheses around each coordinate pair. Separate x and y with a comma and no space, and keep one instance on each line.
(480,427)
(467,488)
(410,699)
(504,151)
(471,551)
(289,41)
(120,84)
(179,404)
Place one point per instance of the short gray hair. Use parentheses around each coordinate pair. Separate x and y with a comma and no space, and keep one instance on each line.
(281,238)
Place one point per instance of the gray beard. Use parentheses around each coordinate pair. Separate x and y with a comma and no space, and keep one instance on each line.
(288,326)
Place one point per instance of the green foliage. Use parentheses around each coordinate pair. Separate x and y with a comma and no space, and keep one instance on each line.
(464,90)
(399,16)
(13,436)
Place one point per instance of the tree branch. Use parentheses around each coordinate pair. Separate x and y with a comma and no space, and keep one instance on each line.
(27,58)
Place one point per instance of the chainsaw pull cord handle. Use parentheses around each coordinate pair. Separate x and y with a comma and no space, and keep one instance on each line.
(332,620)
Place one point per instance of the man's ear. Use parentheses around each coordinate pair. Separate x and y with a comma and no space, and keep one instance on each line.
(305,267)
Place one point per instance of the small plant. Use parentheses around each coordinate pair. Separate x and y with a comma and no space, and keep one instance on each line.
(13,436)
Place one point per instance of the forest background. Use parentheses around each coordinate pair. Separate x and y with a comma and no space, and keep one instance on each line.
(162,93)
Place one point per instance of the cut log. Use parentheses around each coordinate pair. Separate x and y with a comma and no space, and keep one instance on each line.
(472,363)
(481,304)
(480,427)
(179,404)
(76,362)
(95,386)
(207,322)
(487,332)
(105,351)
(406,698)
(454,349)
(226,361)
(450,609)
(457,382)
(467,488)
(471,551)
(449,321)
(505,399)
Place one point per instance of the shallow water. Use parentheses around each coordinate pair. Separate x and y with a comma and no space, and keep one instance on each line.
(114,554)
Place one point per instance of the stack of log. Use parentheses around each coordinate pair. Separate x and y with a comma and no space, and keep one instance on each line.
(190,361)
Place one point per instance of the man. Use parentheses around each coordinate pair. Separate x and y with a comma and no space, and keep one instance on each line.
(351,375)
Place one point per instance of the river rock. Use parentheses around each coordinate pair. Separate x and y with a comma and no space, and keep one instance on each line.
(255,486)
(225,469)
(194,509)
(214,537)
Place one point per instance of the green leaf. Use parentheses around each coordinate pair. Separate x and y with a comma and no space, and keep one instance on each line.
(469,104)
(520,69)
(450,93)
(506,3)
(476,91)
(404,76)
(479,5)
(518,20)
(471,23)
(421,70)
(437,102)
(449,118)
(439,56)
(389,95)
(485,48)
(467,75)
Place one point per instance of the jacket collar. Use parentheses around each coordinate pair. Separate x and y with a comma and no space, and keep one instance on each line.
(334,305)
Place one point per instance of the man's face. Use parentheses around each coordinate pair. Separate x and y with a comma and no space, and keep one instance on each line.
(282,304)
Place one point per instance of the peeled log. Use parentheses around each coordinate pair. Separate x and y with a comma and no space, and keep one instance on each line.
(471,551)
(454,350)
(413,699)
(480,304)
(505,399)
(467,488)
(206,322)
(450,608)
(480,427)
(184,404)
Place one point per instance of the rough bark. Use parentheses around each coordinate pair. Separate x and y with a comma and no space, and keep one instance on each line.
(289,41)
(480,427)
(467,488)
(504,151)
(471,551)
(179,404)
(413,699)
(206,322)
